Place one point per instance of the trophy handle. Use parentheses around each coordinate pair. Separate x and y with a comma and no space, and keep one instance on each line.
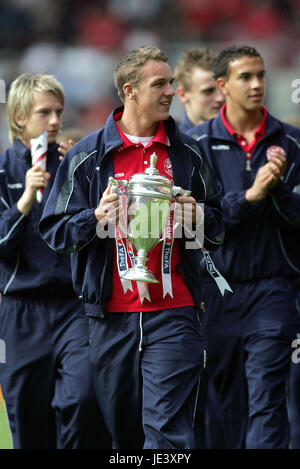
(176,190)
(116,183)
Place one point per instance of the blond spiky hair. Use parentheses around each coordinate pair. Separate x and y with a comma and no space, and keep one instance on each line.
(20,96)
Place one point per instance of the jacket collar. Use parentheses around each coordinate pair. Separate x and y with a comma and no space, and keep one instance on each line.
(220,131)
(112,136)
(181,165)
(23,153)
(185,125)
(112,139)
(260,130)
(20,150)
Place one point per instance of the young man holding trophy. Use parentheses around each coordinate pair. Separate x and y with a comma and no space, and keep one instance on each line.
(142,296)
(46,380)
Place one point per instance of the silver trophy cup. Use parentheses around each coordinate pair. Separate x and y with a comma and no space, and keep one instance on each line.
(148,199)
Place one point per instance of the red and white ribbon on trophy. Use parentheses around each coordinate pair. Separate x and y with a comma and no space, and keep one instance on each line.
(39,147)
(168,241)
(120,233)
(221,282)
(122,260)
(141,286)
(214,273)
(122,250)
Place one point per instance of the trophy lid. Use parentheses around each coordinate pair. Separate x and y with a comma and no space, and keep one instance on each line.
(152,171)
(150,180)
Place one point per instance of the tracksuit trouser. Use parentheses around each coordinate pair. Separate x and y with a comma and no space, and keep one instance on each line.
(46,378)
(249,345)
(147,369)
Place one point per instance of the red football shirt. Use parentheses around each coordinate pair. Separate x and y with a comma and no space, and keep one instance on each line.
(128,159)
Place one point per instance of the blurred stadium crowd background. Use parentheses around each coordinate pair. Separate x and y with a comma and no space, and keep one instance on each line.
(81,41)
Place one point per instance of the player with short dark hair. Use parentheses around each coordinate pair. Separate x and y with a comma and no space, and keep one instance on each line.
(250,331)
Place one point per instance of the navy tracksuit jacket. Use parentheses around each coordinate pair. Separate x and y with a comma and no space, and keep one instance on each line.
(211,428)
(68,223)
(250,331)
(46,379)
(185,125)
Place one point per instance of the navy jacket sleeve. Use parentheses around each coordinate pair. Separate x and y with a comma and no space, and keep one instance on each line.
(285,197)
(12,221)
(236,207)
(213,216)
(205,188)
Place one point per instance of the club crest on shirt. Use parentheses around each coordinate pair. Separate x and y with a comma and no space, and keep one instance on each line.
(273,147)
(168,167)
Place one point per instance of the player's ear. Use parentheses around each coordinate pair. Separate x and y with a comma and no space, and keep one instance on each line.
(129,91)
(181,94)
(20,121)
(221,83)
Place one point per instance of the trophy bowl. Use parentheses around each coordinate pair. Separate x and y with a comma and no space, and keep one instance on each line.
(146,218)
(148,199)
(148,196)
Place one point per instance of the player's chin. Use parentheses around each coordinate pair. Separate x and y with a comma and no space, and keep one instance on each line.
(164,113)
(255,104)
(52,137)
